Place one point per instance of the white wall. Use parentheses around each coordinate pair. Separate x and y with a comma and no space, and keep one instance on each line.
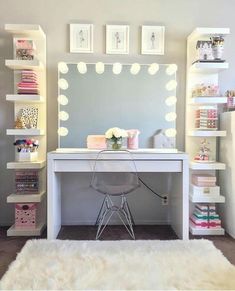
(179,17)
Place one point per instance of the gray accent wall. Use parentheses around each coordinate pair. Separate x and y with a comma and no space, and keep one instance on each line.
(179,17)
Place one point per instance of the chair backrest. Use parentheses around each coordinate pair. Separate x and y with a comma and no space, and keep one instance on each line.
(114,173)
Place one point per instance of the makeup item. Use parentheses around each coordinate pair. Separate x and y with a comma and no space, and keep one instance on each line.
(133,139)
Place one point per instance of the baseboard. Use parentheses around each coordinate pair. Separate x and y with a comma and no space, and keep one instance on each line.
(91,222)
(137,222)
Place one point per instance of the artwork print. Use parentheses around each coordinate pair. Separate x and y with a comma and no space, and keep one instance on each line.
(81,38)
(117,39)
(152,42)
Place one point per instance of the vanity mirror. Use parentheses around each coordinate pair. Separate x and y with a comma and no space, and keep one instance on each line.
(95,97)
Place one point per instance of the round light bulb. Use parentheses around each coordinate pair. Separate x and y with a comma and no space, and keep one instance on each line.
(63,68)
(171,85)
(153,69)
(62,131)
(170,101)
(135,68)
(82,68)
(171,69)
(99,67)
(117,68)
(62,100)
(63,84)
(171,116)
(170,132)
(63,115)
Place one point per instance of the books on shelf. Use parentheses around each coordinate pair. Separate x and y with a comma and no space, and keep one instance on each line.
(204,180)
(29,83)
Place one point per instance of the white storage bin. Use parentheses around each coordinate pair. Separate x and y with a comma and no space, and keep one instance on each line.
(196,190)
(26,157)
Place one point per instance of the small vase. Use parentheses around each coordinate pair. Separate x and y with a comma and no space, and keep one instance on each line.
(114,144)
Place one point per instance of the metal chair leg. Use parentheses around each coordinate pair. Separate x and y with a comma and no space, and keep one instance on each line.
(101,208)
(108,209)
(132,219)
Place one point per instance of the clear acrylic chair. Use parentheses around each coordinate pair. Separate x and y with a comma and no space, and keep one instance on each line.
(114,178)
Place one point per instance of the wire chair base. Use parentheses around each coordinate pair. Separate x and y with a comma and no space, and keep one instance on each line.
(108,209)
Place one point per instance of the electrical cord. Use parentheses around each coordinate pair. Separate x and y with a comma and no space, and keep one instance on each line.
(160,196)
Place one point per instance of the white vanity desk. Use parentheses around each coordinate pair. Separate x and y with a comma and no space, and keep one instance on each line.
(147,160)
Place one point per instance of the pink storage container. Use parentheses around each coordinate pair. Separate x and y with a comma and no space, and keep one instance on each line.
(25,215)
(96,142)
(133,139)
(204,180)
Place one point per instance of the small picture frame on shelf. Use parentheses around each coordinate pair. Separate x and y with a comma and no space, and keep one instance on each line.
(117,39)
(24,49)
(152,40)
(81,38)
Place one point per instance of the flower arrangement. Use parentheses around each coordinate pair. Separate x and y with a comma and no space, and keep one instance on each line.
(114,136)
(26,145)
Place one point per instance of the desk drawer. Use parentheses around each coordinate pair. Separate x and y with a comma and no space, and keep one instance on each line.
(119,166)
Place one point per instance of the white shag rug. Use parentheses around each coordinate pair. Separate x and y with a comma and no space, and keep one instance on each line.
(110,265)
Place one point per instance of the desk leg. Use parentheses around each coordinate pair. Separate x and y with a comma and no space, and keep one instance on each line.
(179,202)
(53,201)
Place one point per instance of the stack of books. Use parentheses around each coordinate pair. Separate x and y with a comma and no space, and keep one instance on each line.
(205,216)
(28,83)
(27,182)
(204,180)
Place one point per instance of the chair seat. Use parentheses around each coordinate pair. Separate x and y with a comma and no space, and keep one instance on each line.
(114,190)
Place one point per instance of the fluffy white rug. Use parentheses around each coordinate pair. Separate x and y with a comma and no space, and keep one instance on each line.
(194,264)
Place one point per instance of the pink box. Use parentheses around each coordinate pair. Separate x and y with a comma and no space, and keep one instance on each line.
(25,215)
(204,180)
(96,142)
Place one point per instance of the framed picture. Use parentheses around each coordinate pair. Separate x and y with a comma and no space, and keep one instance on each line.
(117,39)
(81,38)
(152,40)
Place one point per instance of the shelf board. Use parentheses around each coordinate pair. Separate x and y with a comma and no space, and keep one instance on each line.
(207,100)
(200,33)
(26,30)
(28,132)
(208,68)
(24,64)
(12,231)
(206,231)
(207,166)
(25,98)
(26,165)
(23,198)
(207,133)
(210,198)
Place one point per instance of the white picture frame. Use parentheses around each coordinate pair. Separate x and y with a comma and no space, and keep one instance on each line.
(81,38)
(152,40)
(117,39)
